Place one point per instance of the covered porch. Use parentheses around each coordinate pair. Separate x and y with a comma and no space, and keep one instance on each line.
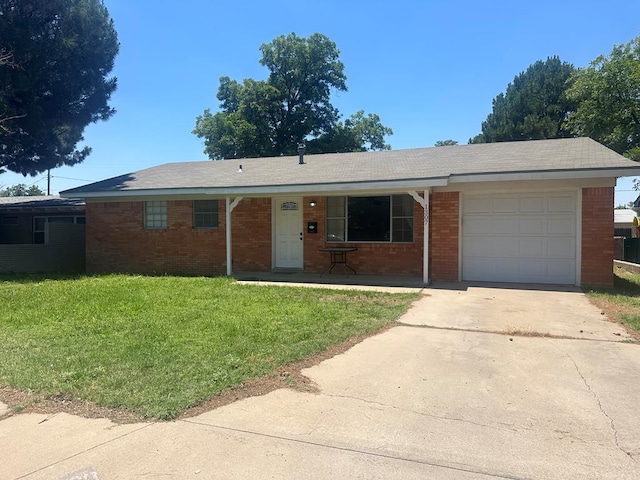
(398,283)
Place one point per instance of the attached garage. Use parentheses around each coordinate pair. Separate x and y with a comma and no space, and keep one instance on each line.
(520,237)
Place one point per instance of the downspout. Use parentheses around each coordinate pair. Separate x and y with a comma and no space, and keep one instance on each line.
(230,205)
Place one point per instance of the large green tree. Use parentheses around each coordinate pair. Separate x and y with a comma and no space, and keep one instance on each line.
(54,80)
(608,97)
(271,117)
(21,190)
(533,107)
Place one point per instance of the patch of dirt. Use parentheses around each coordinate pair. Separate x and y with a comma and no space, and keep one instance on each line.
(612,312)
(20,401)
(286,376)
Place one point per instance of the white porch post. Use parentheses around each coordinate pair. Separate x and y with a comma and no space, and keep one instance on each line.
(424,203)
(425,242)
(228,209)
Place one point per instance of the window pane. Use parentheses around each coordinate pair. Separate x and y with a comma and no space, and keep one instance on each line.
(156,214)
(335,230)
(335,206)
(403,229)
(205,213)
(403,206)
(81,220)
(369,219)
(38,224)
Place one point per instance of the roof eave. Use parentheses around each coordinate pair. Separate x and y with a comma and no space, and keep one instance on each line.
(547,175)
(262,190)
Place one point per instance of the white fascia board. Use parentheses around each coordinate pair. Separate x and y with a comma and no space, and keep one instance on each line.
(269,190)
(546,175)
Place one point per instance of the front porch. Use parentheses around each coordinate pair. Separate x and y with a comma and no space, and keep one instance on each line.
(336,280)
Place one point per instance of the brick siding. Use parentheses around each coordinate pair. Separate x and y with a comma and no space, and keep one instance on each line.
(118,242)
(597,237)
(382,258)
(444,236)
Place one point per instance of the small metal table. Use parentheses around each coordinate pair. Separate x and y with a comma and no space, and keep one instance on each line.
(338,256)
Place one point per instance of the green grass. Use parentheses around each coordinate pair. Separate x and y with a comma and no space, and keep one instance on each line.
(622,303)
(159,345)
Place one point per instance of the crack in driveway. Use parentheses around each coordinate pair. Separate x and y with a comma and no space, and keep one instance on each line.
(612,423)
(505,426)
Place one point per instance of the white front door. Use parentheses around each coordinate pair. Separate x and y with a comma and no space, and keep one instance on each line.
(288,237)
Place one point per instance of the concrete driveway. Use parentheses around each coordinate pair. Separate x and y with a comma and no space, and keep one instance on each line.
(450,402)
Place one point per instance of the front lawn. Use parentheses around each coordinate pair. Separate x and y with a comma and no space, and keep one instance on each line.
(622,303)
(159,345)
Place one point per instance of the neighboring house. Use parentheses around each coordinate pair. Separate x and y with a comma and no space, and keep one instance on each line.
(42,234)
(625,223)
(531,211)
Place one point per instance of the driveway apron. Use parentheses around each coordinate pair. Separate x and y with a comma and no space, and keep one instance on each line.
(446,394)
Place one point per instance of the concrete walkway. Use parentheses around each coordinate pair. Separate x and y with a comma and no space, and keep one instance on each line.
(411,403)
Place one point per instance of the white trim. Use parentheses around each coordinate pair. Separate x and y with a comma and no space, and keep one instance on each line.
(426,274)
(544,175)
(227,219)
(461,200)
(578,236)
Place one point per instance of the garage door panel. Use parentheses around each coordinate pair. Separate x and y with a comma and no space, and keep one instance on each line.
(504,226)
(562,204)
(531,247)
(480,225)
(479,205)
(563,225)
(525,237)
(503,205)
(532,226)
(561,247)
(532,204)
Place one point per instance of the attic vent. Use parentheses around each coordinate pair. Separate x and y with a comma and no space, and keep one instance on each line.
(289,206)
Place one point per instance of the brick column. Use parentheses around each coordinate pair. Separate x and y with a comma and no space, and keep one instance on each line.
(444,236)
(597,237)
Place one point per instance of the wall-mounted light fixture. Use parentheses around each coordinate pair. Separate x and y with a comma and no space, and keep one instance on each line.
(313,203)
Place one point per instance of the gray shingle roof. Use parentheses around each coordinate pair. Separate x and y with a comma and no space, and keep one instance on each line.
(39,202)
(422,164)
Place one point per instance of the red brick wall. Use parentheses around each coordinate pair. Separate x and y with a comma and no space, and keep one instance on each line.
(118,242)
(251,235)
(370,258)
(444,236)
(597,237)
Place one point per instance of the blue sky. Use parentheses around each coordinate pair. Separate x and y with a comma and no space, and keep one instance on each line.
(429,69)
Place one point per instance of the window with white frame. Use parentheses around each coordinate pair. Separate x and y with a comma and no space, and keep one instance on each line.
(155,214)
(205,213)
(382,218)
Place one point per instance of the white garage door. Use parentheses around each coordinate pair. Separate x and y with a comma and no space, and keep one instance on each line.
(524,237)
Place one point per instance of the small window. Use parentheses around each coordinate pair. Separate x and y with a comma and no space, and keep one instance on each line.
(155,214)
(10,221)
(205,214)
(289,206)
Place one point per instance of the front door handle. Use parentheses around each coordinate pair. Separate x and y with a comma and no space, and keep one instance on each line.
(300,235)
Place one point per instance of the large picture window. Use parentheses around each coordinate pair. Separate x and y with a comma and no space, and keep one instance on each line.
(381,218)
(205,213)
(155,214)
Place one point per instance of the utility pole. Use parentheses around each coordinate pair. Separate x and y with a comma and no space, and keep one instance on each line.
(48,181)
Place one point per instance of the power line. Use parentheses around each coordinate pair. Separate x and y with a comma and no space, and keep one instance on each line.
(77,179)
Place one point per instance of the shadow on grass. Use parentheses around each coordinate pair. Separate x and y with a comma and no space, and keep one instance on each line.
(37,277)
